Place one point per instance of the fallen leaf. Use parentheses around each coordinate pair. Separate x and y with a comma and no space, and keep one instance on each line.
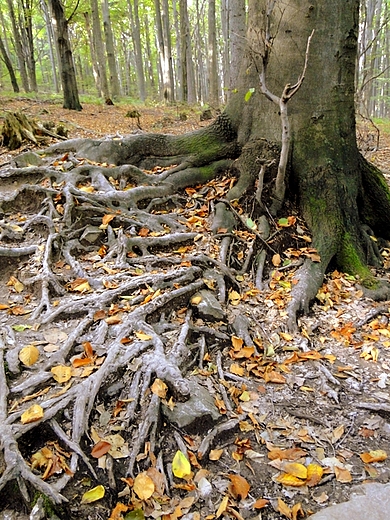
(100,449)
(93,495)
(32,414)
(159,388)
(29,355)
(143,336)
(222,506)
(314,474)
(61,373)
(343,475)
(181,467)
(215,454)
(296,469)
(240,486)
(373,456)
(143,486)
(260,503)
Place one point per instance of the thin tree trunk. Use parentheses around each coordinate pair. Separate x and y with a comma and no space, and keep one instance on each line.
(136,34)
(8,64)
(28,39)
(110,48)
(237,39)
(50,40)
(99,49)
(18,46)
(212,56)
(92,50)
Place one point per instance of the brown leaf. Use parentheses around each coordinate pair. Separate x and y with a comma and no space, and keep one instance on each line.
(143,486)
(240,487)
(100,449)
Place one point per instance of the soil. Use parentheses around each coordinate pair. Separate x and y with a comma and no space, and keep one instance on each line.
(324,390)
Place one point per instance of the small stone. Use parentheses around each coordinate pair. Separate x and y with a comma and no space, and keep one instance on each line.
(28,159)
(208,306)
(197,413)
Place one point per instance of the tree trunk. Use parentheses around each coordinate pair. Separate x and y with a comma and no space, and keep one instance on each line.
(110,47)
(99,49)
(28,39)
(50,39)
(68,75)
(326,173)
(212,56)
(18,47)
(139,62)
(9,66)
(237,33)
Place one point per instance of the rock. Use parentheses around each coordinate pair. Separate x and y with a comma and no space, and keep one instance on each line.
(369,501)
(91,234)
(28,159)
(207,305)
(196,414)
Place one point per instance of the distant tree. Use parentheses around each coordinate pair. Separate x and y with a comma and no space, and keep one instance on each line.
(68,74)
(8,64)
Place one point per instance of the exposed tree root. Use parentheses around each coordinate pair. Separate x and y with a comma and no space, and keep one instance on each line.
(135,267)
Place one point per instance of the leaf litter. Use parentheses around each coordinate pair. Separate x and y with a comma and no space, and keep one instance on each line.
(309,411)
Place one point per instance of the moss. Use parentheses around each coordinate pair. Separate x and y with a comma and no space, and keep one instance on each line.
(349,261)
(48,505)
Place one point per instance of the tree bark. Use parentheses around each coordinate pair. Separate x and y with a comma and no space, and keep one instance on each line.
(212,56)
(18,47)
(99,49)
(68,74)
(9,66)
(110,48)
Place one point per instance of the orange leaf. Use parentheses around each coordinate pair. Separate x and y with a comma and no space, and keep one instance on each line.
(373,456)
(260,503)
(143,486)
(283,508)
(159,388)
(240,487)
(118,509)
(88,349)
(107,219)
(274,377)
(100,449)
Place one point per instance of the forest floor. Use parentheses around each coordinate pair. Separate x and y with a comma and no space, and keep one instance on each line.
(308,423)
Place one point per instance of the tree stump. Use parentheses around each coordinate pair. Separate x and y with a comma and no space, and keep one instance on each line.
(18,128)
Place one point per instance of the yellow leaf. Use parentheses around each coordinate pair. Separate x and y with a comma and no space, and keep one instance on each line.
(196,300)
(314,474)
(286,336)
(159,388)
(236,369)
(290,480)
(18,286)
(83,287)
(143,486)
(234,297)
(29,355)
(87,189)
(61,373)
(32,414)
(222,506)
(295,469)
(180,465)
(245,397)
(276,260)
(283,508)
(143,336)
(93,495)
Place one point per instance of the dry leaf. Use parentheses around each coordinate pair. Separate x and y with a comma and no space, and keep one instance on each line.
(295,469)
(373,456)
(283,508)
(236,369)
(100,449)
(29,355)
(143,486)
(32,414)
(314,474)
(143,336)
(159,388)
(61,373)
(276,260)
(222,506)
(215,454)
(343,475)
(107,219)
(260,503)
(290,480)
(195,300)
(239,487)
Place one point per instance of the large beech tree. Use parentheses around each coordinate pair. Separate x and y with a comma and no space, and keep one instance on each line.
(289,130)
